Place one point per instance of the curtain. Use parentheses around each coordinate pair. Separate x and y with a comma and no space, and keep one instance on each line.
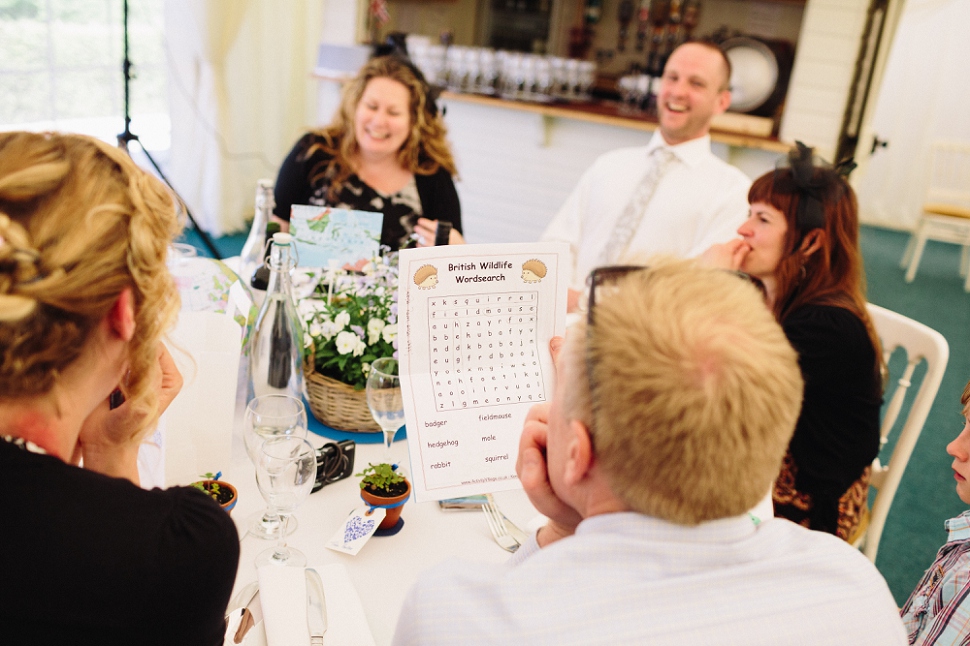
(923,97)
(241,93)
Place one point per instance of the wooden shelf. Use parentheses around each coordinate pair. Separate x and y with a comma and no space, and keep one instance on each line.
(609,114)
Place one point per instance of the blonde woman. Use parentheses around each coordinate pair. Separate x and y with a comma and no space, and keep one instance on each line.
(385,151)
(85,297)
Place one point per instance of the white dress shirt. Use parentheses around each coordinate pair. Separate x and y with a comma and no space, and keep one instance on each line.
(626,578)
(701,200)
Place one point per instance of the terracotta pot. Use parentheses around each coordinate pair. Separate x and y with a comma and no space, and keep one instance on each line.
(393,513)
(229,504)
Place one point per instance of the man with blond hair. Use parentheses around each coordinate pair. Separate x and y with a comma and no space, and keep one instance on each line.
(672,412)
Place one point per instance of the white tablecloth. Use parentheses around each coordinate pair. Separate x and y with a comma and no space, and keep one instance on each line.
(429,535)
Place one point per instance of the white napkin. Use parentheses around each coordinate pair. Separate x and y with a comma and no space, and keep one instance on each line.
(282,592)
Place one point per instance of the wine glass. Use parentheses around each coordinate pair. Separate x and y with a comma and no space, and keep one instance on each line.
(271,416)
(385,400)
(285,472)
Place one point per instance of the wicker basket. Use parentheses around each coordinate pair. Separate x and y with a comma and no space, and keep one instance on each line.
(336,404)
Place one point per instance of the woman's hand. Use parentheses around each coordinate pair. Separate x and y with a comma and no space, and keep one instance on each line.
(729,255)
(426,230)
(109,438)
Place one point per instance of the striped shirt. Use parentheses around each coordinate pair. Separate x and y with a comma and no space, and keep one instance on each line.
(626,578)
(936,613)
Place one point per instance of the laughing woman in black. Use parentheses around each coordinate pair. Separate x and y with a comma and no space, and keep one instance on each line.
(384,152)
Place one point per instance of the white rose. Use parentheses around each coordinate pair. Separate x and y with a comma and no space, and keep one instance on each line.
(374,327)
(360,347)
(390,333)
(347,342)
(342,320)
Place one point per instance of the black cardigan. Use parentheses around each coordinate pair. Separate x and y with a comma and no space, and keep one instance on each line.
(837,433)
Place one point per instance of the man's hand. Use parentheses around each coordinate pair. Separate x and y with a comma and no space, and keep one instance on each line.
(729,255)
(109,438)
(534,476)
(572,300)
(427,229)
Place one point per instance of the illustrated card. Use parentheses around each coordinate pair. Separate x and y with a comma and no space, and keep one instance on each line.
(323,234)
(475,324)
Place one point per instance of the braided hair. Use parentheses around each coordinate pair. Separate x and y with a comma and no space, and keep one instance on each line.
(79,223)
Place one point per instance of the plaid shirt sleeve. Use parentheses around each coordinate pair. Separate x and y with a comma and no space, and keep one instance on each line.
(938,611)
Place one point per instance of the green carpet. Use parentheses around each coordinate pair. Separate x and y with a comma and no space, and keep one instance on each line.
(926,496)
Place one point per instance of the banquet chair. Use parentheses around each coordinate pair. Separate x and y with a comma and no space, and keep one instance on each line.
(920,343)
(946,210)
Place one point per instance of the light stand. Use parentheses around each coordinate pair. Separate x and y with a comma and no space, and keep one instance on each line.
(128,136)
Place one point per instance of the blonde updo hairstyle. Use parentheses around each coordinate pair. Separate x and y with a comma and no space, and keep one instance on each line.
(423,153)
(79,223)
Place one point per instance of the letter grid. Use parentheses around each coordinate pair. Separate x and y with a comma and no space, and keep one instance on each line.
(483,350)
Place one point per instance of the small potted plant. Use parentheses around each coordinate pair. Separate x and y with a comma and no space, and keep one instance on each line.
(382,486)
(219,490)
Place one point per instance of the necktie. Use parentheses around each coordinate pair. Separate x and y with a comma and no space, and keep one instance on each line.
(629,221)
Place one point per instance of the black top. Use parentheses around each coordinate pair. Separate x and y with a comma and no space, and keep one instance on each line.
(437,197)
(89,559)
(837,434)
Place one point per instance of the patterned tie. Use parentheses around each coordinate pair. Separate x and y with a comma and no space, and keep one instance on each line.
(629,221)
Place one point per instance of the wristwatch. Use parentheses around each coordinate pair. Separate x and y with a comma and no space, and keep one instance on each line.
(443,233)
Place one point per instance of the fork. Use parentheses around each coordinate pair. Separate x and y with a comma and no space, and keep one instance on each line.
(496,523)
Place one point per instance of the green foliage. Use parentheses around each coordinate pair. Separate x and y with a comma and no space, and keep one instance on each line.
(379,476)
(208,486)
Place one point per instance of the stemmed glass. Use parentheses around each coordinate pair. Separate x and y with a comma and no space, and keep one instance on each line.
(270,416)
(285,471)
(385,400)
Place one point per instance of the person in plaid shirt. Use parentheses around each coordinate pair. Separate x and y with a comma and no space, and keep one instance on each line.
(935,613)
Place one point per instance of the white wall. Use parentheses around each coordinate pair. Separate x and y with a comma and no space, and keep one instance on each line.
(820,80)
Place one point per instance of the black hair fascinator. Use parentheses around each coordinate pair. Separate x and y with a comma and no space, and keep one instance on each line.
(815,180)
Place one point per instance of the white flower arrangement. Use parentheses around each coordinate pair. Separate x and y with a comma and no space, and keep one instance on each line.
(357,326)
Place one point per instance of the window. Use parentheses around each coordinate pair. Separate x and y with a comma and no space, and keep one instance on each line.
(61,68)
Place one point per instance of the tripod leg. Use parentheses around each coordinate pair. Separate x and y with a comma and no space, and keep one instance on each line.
(206,240)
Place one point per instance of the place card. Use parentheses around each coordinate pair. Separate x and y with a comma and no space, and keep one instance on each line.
(324,234)
(354,533)
(475,325)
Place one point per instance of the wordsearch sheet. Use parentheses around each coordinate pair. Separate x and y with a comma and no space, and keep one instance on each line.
(475,323)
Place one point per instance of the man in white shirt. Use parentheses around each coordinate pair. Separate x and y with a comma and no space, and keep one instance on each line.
(632,203)
(670,417)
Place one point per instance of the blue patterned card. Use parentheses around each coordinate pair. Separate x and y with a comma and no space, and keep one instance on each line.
(323,234)
(356,530)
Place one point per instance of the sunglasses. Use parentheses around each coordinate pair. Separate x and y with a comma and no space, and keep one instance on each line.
(602,276)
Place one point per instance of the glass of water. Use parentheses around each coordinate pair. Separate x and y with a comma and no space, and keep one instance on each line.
(385,400)
(266,417)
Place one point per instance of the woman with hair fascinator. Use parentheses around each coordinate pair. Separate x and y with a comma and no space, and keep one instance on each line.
(801,239)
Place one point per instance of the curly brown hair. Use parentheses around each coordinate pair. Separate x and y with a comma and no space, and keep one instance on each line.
(425,150)
(79,223)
